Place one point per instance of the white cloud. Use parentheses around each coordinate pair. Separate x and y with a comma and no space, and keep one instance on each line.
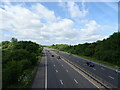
(26,24)
(91,28)
(75,11)
(20,20)
(59,32)
(44,13)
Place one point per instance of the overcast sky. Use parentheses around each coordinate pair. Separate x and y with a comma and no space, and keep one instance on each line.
(58,22)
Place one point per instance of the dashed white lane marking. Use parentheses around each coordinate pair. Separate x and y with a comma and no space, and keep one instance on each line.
(56,70)
(94,69)
(76,81)
(54,65)
(61,82)
(79,72)
(66,70)
(62,65)
(102,68)
(111,77)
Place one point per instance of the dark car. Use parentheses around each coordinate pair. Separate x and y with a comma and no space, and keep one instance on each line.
(90,64)
(58,57)
(52,55)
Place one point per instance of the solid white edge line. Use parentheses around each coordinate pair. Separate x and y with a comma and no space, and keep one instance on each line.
(78,72)
(46,73)
(94,62)
(81,74)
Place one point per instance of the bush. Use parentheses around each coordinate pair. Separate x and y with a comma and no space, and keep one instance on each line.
(106,50)
(27,45)
(18,61)
(10,73)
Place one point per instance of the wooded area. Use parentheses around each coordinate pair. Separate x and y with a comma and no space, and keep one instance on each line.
(19,58)
(107,50)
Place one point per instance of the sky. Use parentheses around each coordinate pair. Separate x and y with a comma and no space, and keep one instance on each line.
(50,23)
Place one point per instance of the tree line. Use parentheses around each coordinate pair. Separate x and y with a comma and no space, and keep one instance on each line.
(107,50)
(19,59)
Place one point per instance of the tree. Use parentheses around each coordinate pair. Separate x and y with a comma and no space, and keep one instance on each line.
(5,44)
(18,61)
(14,40)
(105,50)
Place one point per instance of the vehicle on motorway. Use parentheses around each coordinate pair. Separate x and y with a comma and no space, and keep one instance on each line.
(58,57)
(90,64)
(117,70)
(52,55)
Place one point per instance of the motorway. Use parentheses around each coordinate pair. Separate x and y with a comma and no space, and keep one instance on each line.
(103,73)
(62,75)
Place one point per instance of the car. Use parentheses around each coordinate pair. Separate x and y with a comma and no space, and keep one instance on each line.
(58,57)
(90,64)
(117,70)
(52,55)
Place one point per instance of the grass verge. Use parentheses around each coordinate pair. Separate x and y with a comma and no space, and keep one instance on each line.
(98,61)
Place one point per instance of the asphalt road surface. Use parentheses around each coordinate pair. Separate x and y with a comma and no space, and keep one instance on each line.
(104,73)
(57,73)
(62,75)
